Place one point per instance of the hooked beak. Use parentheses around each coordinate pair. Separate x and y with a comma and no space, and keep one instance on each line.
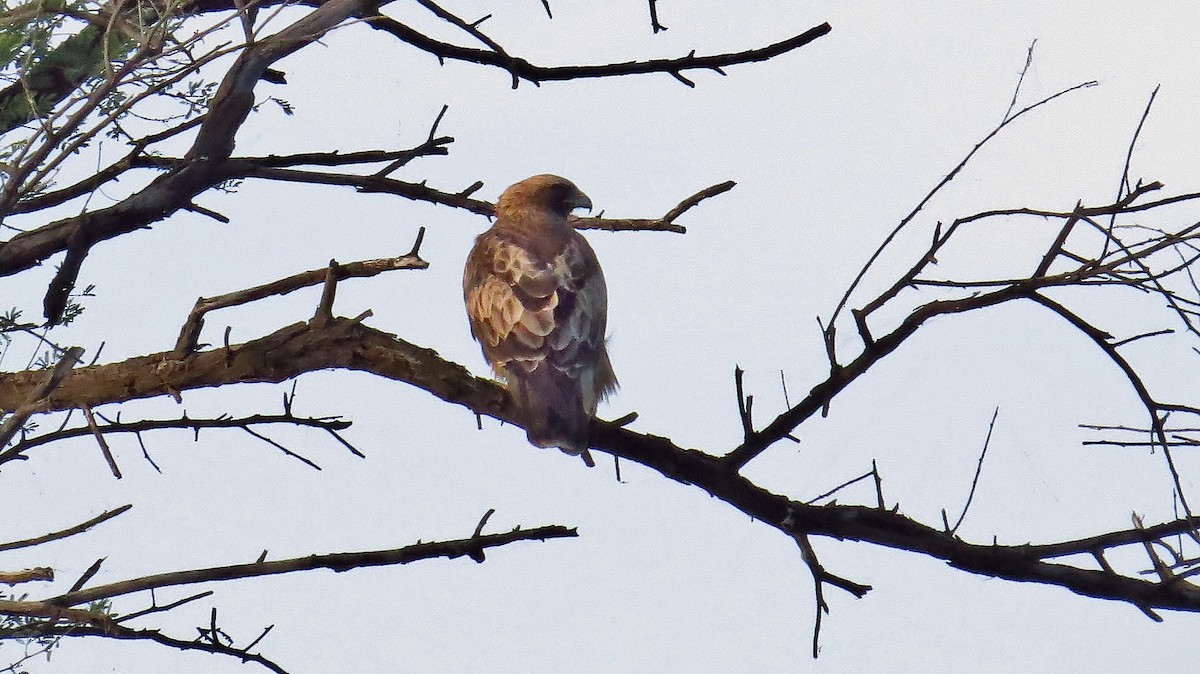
(581,200)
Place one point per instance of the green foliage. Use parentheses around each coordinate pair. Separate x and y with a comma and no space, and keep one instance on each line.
(74,307)
(35,645)
(55,50)
(45,352)
(10,41)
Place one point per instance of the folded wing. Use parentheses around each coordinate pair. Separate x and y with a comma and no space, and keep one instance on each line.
(540,320)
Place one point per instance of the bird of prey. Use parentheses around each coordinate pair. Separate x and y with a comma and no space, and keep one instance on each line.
(538,305)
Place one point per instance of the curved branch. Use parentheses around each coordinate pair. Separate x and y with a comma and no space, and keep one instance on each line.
(1009,118)
(875,350)
(347,344)
(665,224)
(114,631)
(339,562)
(524,70)
(328,424)
(70,531)
(1103,340)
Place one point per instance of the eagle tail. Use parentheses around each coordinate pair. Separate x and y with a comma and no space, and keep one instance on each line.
(553,408)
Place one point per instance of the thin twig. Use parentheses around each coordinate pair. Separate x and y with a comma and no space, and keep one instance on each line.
(978,471)
(841,486)
(1124,186)
(1009,118)
(70,531)
(189,334)
(342,561)
(108,456)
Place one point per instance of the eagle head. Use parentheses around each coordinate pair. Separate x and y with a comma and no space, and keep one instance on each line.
(547,193)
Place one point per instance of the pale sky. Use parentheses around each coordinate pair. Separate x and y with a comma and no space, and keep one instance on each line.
(830,145)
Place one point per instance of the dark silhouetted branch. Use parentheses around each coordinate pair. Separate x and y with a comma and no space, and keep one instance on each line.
(521,69)
(340,562)
(71,531)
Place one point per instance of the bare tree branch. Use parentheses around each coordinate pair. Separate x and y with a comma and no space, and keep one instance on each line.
(524,70)
(340,562)
(190,334)
(115,631)
(1009,118)
(71,531)
(978,471)
(26,575)
(330,425)
(348,344)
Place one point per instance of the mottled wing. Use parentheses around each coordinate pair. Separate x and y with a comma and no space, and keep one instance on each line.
(541,322)
(577,343)
(512,298)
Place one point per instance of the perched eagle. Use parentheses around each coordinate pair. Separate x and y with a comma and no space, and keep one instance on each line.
(538,305)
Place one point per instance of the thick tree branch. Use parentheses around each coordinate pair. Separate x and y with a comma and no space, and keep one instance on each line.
(26,407)
(41,573)
(347,344)
(58,74)
(206,163)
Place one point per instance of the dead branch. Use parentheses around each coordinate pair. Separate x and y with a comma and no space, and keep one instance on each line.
(71,531)
(339,562)
(87,575)
(978,471)
(157,608)
(347,344)
(821,577)
(1125,187)
(330,425)
(524,70)
(854,480)
(40,609)
(1009,118)
(115,631)
(190,334)
(666,223)
(41,573)
(874,352)
(655,26)
(104,449)
(745,403)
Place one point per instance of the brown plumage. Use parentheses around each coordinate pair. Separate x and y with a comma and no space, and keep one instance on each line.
(538,306)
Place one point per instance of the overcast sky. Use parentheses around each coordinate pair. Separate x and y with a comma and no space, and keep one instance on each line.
(830,145)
